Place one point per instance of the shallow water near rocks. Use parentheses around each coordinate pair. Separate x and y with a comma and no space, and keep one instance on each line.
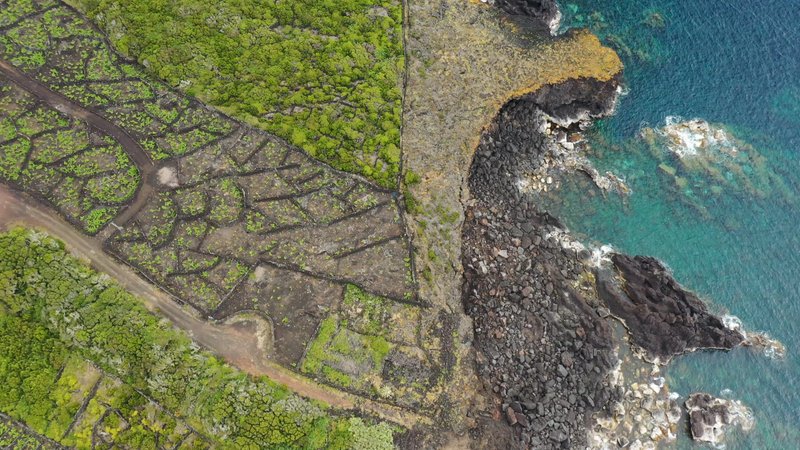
(737,66)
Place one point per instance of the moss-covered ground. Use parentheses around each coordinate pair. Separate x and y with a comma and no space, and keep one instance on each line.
(373,346)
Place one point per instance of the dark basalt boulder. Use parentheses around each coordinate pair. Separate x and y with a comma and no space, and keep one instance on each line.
(661,316)
(576,100)
(513,146)
(711,417)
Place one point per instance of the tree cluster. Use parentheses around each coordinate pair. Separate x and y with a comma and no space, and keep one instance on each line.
(51,305)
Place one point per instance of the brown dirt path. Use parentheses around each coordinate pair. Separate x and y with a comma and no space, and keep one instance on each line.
(237,343)
(66,106)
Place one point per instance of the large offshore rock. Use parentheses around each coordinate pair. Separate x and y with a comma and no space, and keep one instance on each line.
(711,417)
(661,316)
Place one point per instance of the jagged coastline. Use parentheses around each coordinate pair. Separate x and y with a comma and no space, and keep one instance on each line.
(545,309)
(544,348)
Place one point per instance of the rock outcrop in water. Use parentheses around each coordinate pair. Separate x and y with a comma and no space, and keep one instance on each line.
(711,417)
(704,160)
(662,317)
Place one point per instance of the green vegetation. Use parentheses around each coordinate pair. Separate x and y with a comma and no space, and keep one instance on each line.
(316,351)
(56,312)
(350,348)
(373,315)
(82,67)
(344,357)
(224,192)
(227,204)
(81,171)
(14,436)
(375,310)
(324,75)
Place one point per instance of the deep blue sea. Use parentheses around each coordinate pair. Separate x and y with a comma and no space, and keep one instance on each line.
(736,64)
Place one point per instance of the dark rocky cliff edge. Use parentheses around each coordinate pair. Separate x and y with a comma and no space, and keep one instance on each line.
(543,337)
(545,341)
(544,12)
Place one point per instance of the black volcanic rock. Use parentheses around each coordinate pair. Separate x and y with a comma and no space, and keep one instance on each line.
(513,146)
(543,11)
(542,347)
(661,316)
(711,417)
(576,99)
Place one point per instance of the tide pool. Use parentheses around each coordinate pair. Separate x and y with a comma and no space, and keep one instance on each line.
(736,65)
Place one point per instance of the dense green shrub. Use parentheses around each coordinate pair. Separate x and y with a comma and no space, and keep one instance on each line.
(323,74)
(51,303)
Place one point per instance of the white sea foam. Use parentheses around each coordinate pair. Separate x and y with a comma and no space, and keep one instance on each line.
(688,138)
(601,256)
(733,323)
(772,348)
(555,22)
(566,240)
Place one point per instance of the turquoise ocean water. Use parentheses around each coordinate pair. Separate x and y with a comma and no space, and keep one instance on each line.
(736,64)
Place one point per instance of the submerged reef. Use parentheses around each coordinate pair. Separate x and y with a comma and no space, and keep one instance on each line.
(707,159)
(698,163)
(634,40)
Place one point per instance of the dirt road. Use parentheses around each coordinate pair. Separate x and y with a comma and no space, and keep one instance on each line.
(237,343)
(66,106)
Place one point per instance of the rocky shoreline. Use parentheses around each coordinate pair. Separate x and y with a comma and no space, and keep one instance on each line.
(544,307)
(543,346)
(662,318)
(710,418)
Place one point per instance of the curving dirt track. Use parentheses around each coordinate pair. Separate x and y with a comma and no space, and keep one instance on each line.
(66,106)
(235,343)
